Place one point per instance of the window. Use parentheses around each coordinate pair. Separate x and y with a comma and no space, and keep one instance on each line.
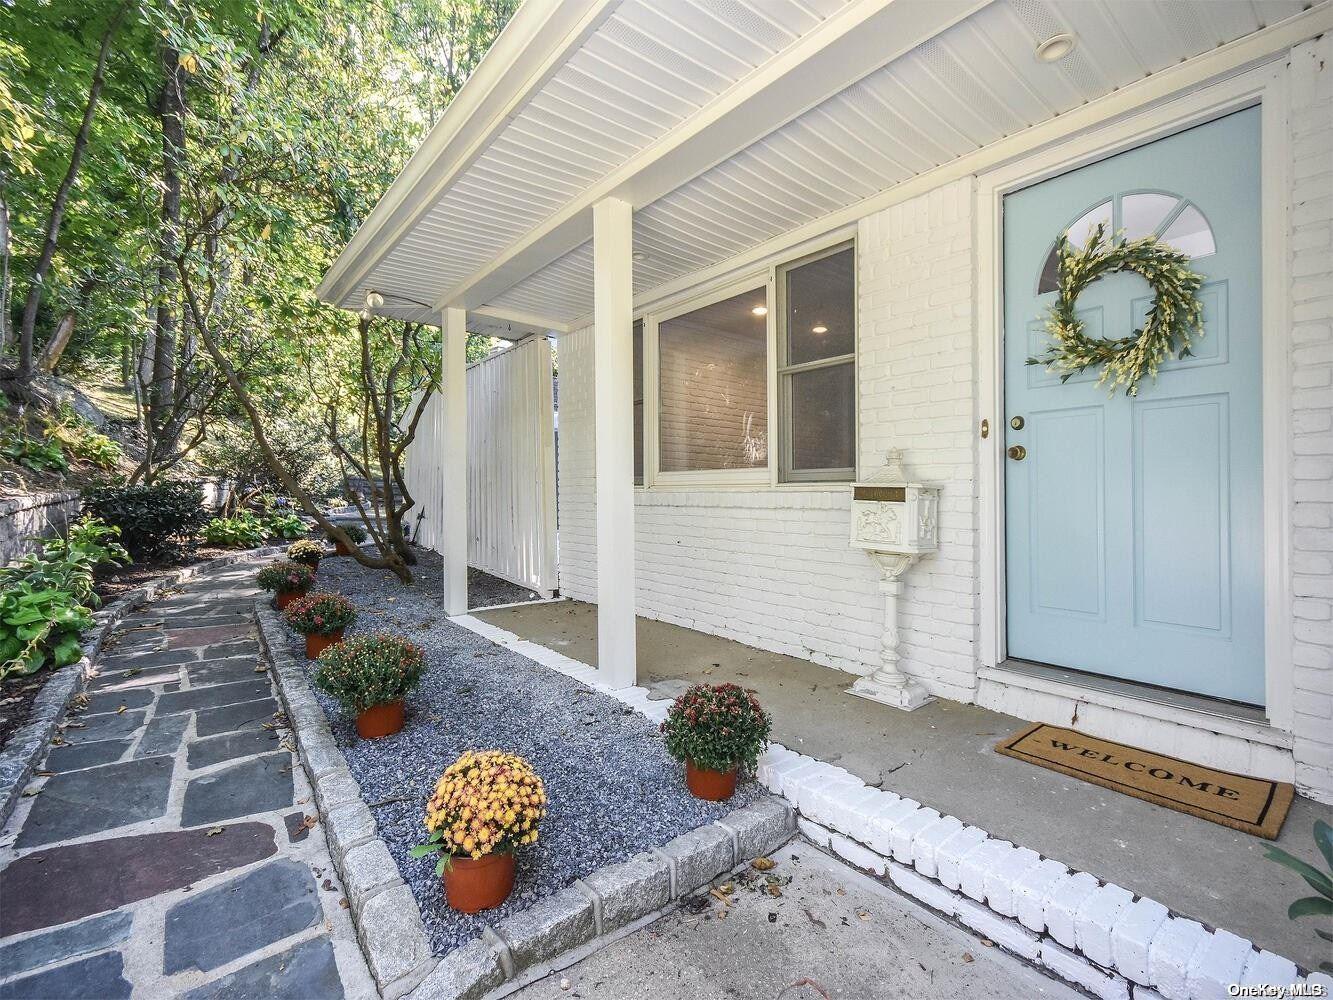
(1138,214)
(713,386)
(638,402)
(817,367)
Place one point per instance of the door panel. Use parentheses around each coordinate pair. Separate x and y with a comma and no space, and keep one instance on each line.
(1134,526)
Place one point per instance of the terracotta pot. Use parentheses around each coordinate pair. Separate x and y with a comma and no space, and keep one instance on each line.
(471,886)
(382,720)
(316,644)
(715,786)
(285,597)
(339,549)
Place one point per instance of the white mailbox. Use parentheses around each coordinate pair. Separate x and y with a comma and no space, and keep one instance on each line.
(896,522)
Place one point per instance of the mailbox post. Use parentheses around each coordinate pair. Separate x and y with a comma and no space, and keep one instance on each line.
(895,522)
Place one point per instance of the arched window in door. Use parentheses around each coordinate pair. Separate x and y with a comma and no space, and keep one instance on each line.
(1173,219)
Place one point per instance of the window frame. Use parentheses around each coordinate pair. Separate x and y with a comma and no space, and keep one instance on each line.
(782,371)
(653,474)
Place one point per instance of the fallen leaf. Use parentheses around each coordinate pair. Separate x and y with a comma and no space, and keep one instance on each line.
(343,903)
(967,957)
(30,792)
(215,831)
(45,774)
(309,822)
(720,896)
(121,710)
(261,668)
(863,914)
(815,920)
(988,942)
(727,887)
(774,891)
(763,864)
(721,914)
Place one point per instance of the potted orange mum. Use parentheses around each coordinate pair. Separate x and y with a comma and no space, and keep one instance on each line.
(486,805)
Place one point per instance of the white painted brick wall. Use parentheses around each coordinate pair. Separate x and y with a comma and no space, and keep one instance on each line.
(918,393)
(1311,126)
(769,568)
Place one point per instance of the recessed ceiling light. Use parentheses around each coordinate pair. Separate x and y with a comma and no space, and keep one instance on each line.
(819,329)
(1056,47)
(639,255)
(760,310)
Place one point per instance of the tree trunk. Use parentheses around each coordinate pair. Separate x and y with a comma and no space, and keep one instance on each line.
(4,274)
(171,112)
(61,200)
(55,347)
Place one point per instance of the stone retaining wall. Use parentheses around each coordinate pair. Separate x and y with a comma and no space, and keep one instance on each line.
(31,516)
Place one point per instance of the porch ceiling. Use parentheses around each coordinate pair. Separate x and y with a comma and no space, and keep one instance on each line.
(728,123)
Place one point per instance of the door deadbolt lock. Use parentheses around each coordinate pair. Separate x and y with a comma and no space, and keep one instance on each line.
(1017,423)
(1017,452)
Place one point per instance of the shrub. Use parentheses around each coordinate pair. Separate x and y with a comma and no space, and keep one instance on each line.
(486,802)
(283,525)
(369,670)
(320,613)
(354,531)
(45,598)
(306,552)
(153,520)
(84,441)
(285,577)
(718,726)
(244,531)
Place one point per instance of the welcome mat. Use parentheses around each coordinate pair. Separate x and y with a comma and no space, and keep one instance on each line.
(1252,805)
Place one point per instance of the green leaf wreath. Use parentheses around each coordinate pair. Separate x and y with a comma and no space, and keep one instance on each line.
(1176,315)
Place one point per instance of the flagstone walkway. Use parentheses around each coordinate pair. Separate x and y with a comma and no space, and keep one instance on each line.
(164,849)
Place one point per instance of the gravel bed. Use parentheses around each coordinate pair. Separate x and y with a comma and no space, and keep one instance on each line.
(613,789)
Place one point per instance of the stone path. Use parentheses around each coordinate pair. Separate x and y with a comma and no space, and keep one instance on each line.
(166,850)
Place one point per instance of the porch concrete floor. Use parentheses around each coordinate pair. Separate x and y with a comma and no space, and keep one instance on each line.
(943,756)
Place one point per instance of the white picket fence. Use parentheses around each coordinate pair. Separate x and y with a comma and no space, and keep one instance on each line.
(511,468)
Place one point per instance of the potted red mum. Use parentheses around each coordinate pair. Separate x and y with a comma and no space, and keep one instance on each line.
(371,674)
(321,618)
(287,580)
(716,730)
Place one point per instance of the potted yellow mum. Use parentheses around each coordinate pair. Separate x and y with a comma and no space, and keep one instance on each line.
(486,805)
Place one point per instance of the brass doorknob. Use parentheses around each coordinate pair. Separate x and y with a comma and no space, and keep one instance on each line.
(1017,452)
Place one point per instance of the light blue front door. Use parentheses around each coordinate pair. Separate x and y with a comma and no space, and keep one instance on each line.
(1134,525)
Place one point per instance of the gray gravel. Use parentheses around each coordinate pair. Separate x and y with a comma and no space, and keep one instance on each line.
(613,789)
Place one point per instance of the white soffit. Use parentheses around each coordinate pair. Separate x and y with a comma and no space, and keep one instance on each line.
(648,71)
(968,87)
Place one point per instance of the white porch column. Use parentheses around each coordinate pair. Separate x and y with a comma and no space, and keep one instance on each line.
(453,459)
(613,348)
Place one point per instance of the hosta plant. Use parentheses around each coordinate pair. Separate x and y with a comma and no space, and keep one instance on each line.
(285,577)
(319,613)
(718,727)
(307,552)
(244,531)
(486,802)
(283,525)
(354,531)
(369,670)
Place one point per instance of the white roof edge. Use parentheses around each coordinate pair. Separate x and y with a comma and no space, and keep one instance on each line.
(532,46)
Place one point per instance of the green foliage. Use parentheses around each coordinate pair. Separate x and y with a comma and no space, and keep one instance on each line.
(284,525)
(244,531)
(1320,905)
(285,577)
(82,440)
(320,613)
(42,454)
(155,520)
(354,531)
(368,670)
(45,598)
(718,726)
(307,552)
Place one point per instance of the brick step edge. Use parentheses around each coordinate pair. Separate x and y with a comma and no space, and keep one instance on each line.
(554,932)
(29,743)
(1091,933)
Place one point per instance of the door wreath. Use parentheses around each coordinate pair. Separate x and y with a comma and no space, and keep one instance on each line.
(1175,317)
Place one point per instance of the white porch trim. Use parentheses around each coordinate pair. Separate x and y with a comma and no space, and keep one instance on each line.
(1263,87)
(613,368)
(453,457)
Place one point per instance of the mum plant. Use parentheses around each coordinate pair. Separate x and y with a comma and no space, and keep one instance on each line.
(716,728)
(286,577)
(486,805)
(320,613)
(370,675)
(307,552)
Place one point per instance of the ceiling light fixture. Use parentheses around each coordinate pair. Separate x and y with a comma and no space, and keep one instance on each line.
(819,329)
(1056,47)
(639,255)
(374,299)
(760,310)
